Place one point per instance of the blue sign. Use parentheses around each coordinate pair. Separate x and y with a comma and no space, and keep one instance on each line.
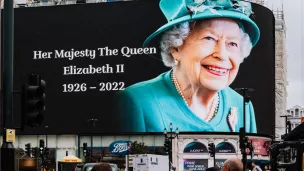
(120,147)
(195,147)
(225,147)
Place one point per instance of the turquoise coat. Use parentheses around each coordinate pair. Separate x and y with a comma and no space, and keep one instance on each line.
(152,105)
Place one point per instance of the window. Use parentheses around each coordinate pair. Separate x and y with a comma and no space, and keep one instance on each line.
(292,113)
(297,113)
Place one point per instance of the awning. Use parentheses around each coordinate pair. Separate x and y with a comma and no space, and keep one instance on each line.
(70,159)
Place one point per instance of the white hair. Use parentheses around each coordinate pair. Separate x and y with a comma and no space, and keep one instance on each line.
(175,37)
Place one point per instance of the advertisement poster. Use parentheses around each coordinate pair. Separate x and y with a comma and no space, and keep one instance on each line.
(195,164)
(261,147)
(225,147)
(105,62)
(195,147)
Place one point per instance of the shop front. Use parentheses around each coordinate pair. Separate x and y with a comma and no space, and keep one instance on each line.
(192,150)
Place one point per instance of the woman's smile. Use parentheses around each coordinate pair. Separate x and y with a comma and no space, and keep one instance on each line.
(216,70)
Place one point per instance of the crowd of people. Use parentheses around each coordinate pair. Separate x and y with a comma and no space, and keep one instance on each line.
(235,164)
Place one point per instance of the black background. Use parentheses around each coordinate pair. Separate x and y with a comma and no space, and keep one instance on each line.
(117,24)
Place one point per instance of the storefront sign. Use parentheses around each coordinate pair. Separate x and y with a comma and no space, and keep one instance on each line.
(195,147)
(10,135)
(224,147)
(196,164)
(120,147)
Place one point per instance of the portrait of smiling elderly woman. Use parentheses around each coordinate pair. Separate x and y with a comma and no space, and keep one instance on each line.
(204,43)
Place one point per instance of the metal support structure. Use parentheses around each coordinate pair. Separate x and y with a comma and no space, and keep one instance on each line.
(93,122)
(127,162)
(285,116)
(45,164)
(7,149)
(243,139)
(170,136)
(91,151)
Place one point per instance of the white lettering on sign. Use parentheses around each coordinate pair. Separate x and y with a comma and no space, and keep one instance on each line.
(120,147)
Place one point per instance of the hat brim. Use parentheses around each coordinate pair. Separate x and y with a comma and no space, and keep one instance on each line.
(250,26)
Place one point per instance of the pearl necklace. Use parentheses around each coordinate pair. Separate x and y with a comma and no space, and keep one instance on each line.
(214,106)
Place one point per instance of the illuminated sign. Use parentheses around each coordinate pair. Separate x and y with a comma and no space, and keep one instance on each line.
(224,147)
(195,164)
(195,147)
(120,147)
(101,71)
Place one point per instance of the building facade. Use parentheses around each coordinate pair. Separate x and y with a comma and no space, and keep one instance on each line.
(192,154)
(280,72)
(186,148)
(294,115)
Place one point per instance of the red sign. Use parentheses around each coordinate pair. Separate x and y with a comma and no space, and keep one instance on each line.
(260,147)
(302,119)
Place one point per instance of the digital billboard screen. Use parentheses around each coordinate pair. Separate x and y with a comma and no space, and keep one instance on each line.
(131,67)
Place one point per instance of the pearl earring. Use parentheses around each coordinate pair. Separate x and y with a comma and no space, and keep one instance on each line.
(175,62)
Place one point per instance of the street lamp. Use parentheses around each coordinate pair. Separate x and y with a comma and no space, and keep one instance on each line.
(169,136)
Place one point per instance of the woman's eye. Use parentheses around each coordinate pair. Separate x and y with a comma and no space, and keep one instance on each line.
(209,38)
(233,44)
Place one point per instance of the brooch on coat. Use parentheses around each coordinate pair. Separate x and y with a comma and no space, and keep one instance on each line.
(232,119)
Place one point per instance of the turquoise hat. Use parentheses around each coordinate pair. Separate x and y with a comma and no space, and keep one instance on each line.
(179,11)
